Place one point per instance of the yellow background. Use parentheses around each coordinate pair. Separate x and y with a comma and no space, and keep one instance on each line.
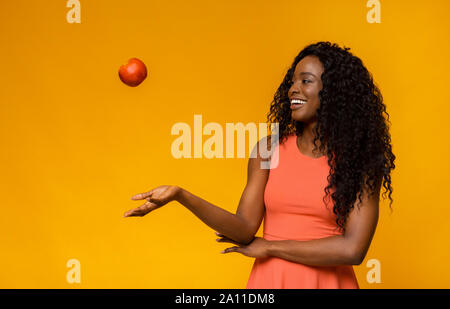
(76,143)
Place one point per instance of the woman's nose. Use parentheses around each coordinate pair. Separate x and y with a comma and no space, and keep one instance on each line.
(293,91)
(294,88)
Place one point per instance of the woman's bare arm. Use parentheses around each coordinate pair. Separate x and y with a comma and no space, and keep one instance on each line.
(348,248)
(242,226)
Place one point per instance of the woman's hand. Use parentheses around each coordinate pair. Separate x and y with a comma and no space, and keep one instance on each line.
(258,248)
(155,198)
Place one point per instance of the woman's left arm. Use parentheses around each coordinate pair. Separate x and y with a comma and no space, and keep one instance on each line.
(349,248)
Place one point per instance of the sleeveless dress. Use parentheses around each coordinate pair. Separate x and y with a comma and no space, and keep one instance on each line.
(295,210)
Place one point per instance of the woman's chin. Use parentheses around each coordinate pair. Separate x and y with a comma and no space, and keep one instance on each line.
(297,116)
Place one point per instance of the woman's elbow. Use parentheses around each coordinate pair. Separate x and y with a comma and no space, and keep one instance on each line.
(243,238)
(247,239)
(356,257)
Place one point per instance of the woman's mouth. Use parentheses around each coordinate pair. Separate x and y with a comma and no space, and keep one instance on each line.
(296,104)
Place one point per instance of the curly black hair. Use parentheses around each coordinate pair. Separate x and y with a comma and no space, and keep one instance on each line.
(350,126)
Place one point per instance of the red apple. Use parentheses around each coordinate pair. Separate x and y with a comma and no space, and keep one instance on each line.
(133,73)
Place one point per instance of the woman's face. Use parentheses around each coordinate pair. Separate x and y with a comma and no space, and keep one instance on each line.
(306,84)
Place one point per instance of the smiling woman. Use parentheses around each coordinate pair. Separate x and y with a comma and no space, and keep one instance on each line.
(333,139)
(342,118)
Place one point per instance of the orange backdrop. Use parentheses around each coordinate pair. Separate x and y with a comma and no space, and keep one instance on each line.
(76,143)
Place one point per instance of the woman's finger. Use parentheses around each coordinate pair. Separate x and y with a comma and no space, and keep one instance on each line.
(149,206)
(141,210)
(130,213)
(220,235)
(227,239)
(232,249)
(142,196)
(137,212)
(224,239)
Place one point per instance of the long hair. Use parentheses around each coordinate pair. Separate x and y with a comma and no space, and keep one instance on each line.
(350,126)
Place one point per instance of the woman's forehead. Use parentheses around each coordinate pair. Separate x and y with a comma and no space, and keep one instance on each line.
(309,64)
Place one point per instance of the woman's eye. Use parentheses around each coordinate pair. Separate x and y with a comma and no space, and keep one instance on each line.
(304,81)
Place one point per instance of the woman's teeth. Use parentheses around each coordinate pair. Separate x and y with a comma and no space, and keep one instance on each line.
(295,101)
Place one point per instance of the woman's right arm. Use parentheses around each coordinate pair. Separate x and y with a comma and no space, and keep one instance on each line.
(242,226)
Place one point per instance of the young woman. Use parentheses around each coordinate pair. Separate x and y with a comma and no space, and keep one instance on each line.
(333,141)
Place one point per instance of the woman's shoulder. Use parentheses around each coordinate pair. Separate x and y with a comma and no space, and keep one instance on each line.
(274,139)
(265,151)
(262,146)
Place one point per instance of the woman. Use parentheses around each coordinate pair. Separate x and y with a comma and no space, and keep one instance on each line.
(333,139)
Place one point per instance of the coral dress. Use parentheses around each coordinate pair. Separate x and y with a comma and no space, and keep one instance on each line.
(295,210)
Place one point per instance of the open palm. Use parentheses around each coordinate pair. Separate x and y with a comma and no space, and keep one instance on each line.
(155,198)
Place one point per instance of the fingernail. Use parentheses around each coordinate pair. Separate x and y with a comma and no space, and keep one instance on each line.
(222,251)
